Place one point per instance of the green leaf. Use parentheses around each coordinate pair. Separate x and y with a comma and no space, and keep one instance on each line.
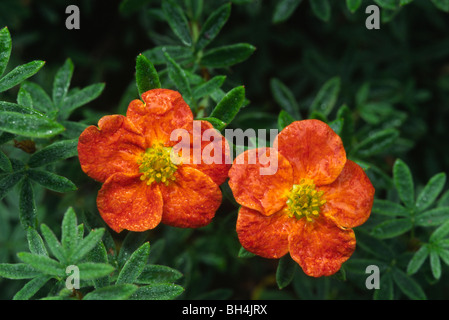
(326,97)
(208,87)
(27,205)
(407,285)
(213,25)
(17,271)
(353,5)
(389,208)
(61,82)
(392,228)
(285,271)
(41,101)
(284,119)
(146,75)
(86,245)
(92,270)
(284,9)
(5,48)
(35,242)
(444,255)
(42,263)
(243,253)
(441,4)
(134,265)
(417,260)
(19,74)
(284,97)
(177,21)
(431,191)
(441,232)
(56,151)
(178,53)
(435,264)
(386,290)
(24,98)
(444,200)
(51,181)
(116,292)
(28,125)
(179,78)
(433,217)
(80,98)
(152,274)
(376,143)
(226,56)
(387,4)
(30,289)
(216,123)
(69,231)
(5,164)
(403,181)
(230,105)
(131,243)
(53,243)
(12,107)
(160,291)
(321,9)
(8,181)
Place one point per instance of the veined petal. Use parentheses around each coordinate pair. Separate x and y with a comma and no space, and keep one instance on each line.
(206,150)
(191,200)
(349,199)
(161,112)
(110,148)
(267,191)
(266,236)
(320,247)
(126,202)
(313,149)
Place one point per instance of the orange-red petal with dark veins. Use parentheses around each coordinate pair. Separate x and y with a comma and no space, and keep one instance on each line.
(313,149)
(126,202)
(266,193)
(211,156)
(161,112)
(191,200)
(110,148)
(320,246)
(349,199)
(266,236)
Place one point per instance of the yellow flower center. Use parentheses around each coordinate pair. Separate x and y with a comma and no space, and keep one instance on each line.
(304,200)
(156,166)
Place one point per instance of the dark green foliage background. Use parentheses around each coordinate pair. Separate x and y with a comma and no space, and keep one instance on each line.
(394,78)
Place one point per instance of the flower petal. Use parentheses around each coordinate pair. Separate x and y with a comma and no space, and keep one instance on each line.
(266,236)
(313,149)
(110,148)
(191,200)
(349,199)
(211,155)
(320,247)
(161,112)
(126,202)
(267,192)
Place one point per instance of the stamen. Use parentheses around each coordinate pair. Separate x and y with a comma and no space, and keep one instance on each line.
(304,200)
(156,166)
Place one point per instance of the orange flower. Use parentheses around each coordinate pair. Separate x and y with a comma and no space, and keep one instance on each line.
(309,206)
(141,185)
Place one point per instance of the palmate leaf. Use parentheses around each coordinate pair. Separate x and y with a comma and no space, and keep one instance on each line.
(230,105)
(431,191)
(284,97)
(179,78)
(52,153)
(29,125)
(61,83)
(403,181)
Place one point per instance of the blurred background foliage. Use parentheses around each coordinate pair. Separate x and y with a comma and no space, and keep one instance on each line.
(386,92)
